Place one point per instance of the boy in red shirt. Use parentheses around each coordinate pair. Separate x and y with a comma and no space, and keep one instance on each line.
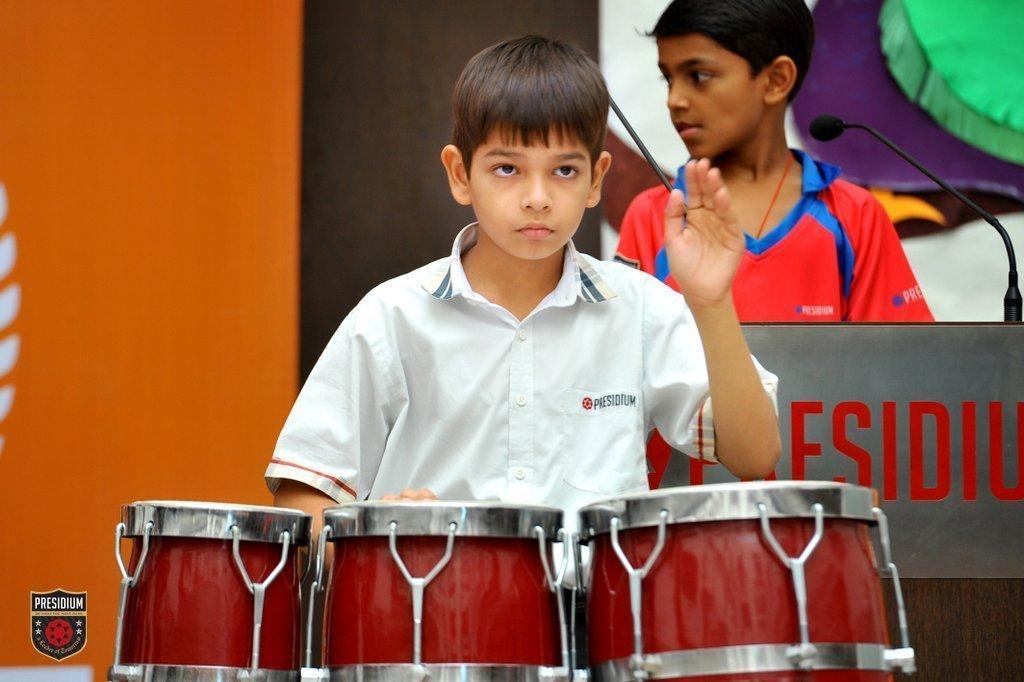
(818,249)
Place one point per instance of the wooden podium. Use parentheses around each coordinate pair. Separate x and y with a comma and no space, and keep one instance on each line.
(931,416)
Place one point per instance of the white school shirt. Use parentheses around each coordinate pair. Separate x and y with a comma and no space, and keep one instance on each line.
(427,384)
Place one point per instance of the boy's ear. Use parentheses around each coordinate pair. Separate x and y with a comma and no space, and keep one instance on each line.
(458,174)
(604,162)
(781,74)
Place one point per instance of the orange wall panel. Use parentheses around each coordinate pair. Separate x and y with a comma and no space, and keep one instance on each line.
(150,156)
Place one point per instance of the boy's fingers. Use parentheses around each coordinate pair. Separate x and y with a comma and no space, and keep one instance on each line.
(693,193)
(714,180)
(711,180)
(388,498)
(723,209)
(703,167)
(426,494)
(674,213)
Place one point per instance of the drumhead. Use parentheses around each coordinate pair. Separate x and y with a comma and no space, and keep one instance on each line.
(729,501)
(191,519)
(472,519)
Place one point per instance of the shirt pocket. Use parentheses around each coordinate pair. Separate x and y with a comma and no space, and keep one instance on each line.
(601,440)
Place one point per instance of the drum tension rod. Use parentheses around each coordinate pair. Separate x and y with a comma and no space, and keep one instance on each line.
(127,581)
(316,586)
(902,658)
(418,585)
(803,654)
(554,583)
(643,665)
(258,590)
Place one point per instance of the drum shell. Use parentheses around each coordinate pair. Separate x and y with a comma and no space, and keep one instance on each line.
(719,584)
(190,605)
(490,604)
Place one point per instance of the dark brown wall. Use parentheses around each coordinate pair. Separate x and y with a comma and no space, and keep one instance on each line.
(377,81)
(962,629)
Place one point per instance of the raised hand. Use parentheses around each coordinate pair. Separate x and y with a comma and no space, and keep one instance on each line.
(703,239)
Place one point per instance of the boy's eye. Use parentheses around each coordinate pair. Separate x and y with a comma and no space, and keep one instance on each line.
(566,171)
(504,170)
(667,78)
(700,77)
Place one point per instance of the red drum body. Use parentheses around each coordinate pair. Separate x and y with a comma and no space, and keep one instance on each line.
(188,610)
(719,603)
(486,606)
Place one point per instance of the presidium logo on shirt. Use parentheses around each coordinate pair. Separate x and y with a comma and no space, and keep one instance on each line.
(597,403)
(816,310)
(57,623)
(907,297)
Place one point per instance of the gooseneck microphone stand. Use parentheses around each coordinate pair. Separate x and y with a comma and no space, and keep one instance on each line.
(641,145)
(828,127)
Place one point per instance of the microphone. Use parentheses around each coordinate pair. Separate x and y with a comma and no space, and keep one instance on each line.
(827,127)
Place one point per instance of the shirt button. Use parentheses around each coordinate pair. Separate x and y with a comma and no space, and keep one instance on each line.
(520,474)
(521,335)
(520,400)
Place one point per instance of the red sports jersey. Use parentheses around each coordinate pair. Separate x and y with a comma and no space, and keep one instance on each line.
(835,257)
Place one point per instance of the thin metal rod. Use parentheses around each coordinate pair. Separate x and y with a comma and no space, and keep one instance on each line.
(803,654)
(641,145)
(419,585)
(1012,304)
(982,213)
(555,583)
(318,584)
(636,575)
(127,581)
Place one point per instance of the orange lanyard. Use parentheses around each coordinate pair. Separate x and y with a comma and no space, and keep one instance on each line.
(774,197)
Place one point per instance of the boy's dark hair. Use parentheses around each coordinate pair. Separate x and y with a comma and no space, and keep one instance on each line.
(526,88)
(757,30)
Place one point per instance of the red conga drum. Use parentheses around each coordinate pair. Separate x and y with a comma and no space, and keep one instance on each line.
(748,581)
(211,592)
(443,591)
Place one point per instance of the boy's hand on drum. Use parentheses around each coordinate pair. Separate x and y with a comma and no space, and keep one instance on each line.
(411,494)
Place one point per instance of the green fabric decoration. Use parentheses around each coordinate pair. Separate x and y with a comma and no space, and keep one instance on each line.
(963,63)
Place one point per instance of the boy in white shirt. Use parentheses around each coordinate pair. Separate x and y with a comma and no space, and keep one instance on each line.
(518,369)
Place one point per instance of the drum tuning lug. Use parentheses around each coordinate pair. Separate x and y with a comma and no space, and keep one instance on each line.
(645,666)
(553,674)
(802,655)
(901,659)
(313,674)
(124,673)
(251,675)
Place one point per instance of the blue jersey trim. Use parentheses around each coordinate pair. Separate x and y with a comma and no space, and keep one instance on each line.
(844,250)
(661,269)
(759,246)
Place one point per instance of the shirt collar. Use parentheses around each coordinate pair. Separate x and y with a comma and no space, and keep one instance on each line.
(579,278)
(816,176)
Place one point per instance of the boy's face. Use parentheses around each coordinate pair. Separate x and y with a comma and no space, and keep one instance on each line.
(529,200)
(715,103)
